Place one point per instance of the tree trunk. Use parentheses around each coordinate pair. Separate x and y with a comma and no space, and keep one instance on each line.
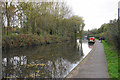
(35,26)
(8,19)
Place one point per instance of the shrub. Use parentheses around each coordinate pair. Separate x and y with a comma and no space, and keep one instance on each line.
(29,40)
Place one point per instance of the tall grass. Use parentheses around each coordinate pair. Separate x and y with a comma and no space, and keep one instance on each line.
(112,59)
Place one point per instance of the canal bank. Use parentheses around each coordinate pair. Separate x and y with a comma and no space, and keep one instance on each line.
(93,66)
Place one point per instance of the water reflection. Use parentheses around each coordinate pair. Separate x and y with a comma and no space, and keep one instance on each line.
(48,61)
(85,47)
(90,45)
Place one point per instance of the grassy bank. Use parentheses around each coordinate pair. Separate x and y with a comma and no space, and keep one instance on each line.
(112,59)
(22,40)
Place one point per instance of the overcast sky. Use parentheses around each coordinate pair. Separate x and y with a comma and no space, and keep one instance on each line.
(94,12)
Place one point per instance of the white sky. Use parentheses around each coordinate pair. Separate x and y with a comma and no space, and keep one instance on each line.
(94,12)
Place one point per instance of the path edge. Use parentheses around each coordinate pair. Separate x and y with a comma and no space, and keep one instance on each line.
(82,62)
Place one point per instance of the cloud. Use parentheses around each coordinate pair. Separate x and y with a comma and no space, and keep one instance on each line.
(95,12)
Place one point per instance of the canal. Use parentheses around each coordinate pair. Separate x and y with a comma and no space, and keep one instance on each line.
(46,61)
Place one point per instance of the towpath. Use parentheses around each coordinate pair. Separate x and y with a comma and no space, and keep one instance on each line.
(93,66)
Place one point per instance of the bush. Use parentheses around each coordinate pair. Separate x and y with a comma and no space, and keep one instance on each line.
(29,40)
(20,40)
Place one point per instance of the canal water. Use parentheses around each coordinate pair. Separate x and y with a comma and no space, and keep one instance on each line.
(46,61)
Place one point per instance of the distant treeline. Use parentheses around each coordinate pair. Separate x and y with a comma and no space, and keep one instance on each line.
(110,32)
(42,18)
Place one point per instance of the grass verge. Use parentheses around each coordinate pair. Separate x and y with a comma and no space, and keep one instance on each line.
(112,59)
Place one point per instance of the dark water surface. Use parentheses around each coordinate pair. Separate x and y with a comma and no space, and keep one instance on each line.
(46,61)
